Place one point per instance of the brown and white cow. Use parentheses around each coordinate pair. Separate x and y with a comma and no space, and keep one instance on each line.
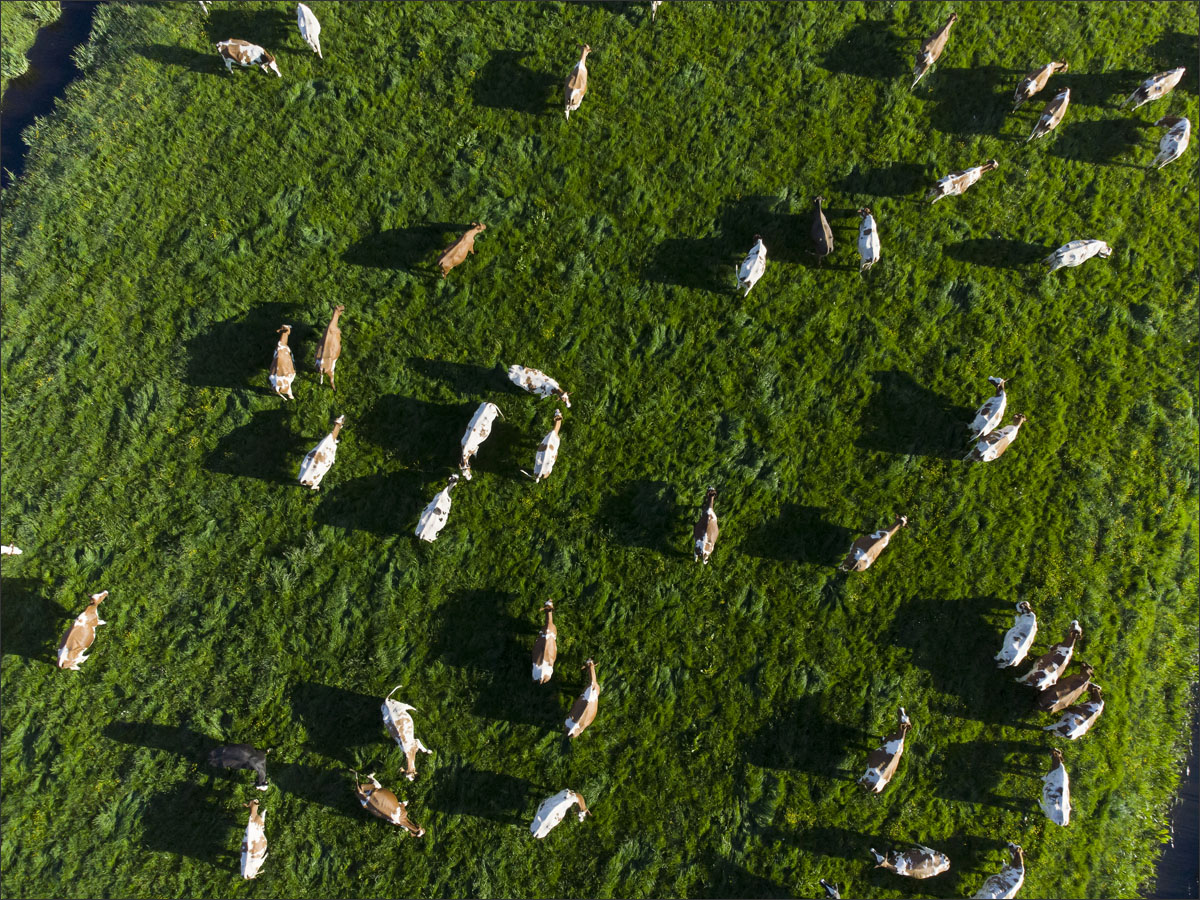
(869,251)
(545,648)
(866,549)
(1048,667)
(246,54)
(956,183)
(1052,114)
(822,234)
(931,49)
(1019,638)
(1056,791)
(576,85)
(283,368)
(992,446)
(1154,87)
(554,809)
(1005,883)
(477,432)
(584,711)
(330,348)
(79,637)
(547,450)
(319,460)
(457,252)
(989,416)
(1175,141)
(919,862)
(1077,720)
(383,803)
(882,762)
(1066,691)
(254,844)
(399,723)
(831,890)
(705,531)
(1035,80)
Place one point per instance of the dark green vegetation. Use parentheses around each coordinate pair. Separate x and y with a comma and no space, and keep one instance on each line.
(19,23)
(173,216)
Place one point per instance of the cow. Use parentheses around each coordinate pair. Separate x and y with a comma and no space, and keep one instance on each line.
(545,648)
(584,711)
(242,756)
(204,6)
(10,550)
(72,652)
(1056,791)
(753,266)
(931,49)
(1052,115)
(705,531)
(866,549)
(1076,721)
(576,85)
(1175,141)
(1154,87)
(1005,883)
(554,809)
(1076,253)
(330,348)
(822,234)
(254,844)
(1065,691)
(433,519)
(398,721)
(1048,667)
(883,762)
(246,54)
(477,432)
(457,252)
(283,370)
(831,890)
(1035,81)
(956,183)
(1019,638)
(868,240)
(319,459)
(919,862)
(310,28)
(547,451)
(383,803)
(537,383)
(992,446)
(654,5)
(988,416)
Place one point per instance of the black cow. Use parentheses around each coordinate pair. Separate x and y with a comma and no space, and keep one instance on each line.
(242,756)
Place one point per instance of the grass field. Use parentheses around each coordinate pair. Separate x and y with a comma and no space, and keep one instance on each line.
(172,216)
(19,23)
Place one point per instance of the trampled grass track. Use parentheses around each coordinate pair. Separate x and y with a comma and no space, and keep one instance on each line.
(172,216)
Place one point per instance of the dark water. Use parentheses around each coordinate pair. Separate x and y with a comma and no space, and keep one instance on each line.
(50,70)
(1179,868)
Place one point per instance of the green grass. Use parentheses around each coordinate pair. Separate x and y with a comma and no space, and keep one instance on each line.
(172,216)
(19,24)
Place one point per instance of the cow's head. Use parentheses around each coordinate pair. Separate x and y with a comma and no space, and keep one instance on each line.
(284,330)
(253,807)
(818,201)
(1018,855)
(990,164)
(1094,693)
(1060,65)
(1074,630)
(565,398)
(339,308)
(901,521)
(97,599)
(585,50)
(1024,607)
(267,63)
(864,211)
(478,227)
(1104,252)
(905,721)
(1088,671)
(1020,419)
(1056,756)
(953,18)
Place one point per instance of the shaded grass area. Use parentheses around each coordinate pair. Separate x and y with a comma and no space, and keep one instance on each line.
(19,25)
(172,216)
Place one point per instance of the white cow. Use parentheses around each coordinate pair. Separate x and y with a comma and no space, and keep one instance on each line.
(554,809)
(1076,253)
(254,844)
(537,383)
(868,240)
(1175,141)
(547,451)
(1019,638)
(246,54)
(10,550)
(753,265)
(310,28)
(433,519)
(1056,792)
(1076,720)
(399,723)
(319,459)
(988,416)
(477,432)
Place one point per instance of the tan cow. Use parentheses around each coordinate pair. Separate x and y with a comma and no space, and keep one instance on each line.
(866,549)
(931,49)
(1066,691)
(1154,87)
(705,531)
(956,183)
(992,446)
(1048,667)
(246,54)
(254,844)
(1005,883)
(383,803)
(1056,791)
(283,369)
(1035,81)
(919,862)
(457,252)
(577,82)
(399,723)
(330,348)
(584,711)
(1052,115)
(81,634)
(1076,721)
(882,762)
(554,809)
(545,648)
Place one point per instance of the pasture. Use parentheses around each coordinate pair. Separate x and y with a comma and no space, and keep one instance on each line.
(173,216)
(20,23)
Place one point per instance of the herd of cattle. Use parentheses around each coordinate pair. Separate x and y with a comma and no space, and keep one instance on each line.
(1057,694)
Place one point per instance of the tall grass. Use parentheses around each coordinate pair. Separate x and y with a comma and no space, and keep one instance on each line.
(19,24)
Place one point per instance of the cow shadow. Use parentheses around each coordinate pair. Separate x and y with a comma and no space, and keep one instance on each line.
(31,624)
(799,534)
(893,180)
(1103,89)
(828,840)
(904,417)
(1171,50)
(184,57)
(189,820)
(805,737)
(413,248)
(264,448)
(999,253)
(333,790)
(387,503)
(503,452)
(871,50)
(728,879)
(1100,143)
(182,740)
(504,83)
(271,29)
(469,379)
(237,353)
(336,719)
(970,771)
(418,433)
(968,101)
(463,790)
(645,513)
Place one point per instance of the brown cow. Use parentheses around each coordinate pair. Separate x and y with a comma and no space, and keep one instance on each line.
(81,634)
(882,763)
(1059,696)
(705,531)
(457,252)
(1035,81)
(1048,667)
(866,549)
(1052,114)
(545,648)
(584,710)
(931,49)
(383,803)
(283,370)
(822,234)
(956,183)
(330,348)
(576,85)
(920,862)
